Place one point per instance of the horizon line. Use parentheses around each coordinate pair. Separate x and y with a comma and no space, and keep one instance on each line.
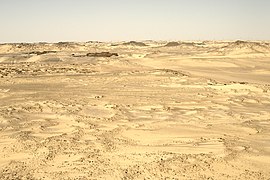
(118,41)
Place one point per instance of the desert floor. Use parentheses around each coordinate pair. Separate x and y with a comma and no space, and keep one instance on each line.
(187,110)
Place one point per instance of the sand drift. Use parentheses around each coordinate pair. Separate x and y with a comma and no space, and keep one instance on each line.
(135,110)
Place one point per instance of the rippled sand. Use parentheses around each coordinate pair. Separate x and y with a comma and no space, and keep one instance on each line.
(183,111)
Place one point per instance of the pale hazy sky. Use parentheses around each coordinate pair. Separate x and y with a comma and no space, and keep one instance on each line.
(116,20)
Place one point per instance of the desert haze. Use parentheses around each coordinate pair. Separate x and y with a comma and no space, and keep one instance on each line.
(135,110)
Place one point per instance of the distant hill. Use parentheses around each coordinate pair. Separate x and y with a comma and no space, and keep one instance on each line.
(172,44)
(134,43)
(241,47)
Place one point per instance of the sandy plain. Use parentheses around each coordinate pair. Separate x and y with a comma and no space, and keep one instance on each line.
(153,110)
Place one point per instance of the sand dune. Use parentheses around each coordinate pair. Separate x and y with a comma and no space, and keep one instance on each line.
(134,43)
(191,110)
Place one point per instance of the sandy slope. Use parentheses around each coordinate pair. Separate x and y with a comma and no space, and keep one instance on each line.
(192,111)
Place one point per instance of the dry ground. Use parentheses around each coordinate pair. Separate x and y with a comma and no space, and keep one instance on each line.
(184,111)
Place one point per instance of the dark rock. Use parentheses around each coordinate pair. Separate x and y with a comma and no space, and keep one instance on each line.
(172,44)
(41,52)
(63,43)
(102,54)
(134,43)
(239,42)
(52,60)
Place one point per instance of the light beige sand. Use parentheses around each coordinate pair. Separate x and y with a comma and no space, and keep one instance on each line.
(194,111)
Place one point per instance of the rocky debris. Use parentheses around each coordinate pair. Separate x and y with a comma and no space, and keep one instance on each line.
(93,42)
(173,72)
(134,43)
(78,55)
(172,44)
(248,46)
(201,44)
(26,45)
(239,42)
(41,52)
(102,54)
(13,70)
(245,44)
(190,43)
(65,45)
(52,60)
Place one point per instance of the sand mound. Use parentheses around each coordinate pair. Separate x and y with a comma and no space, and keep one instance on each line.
(184,44)
(172,44)
(134,43)
(240,47)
